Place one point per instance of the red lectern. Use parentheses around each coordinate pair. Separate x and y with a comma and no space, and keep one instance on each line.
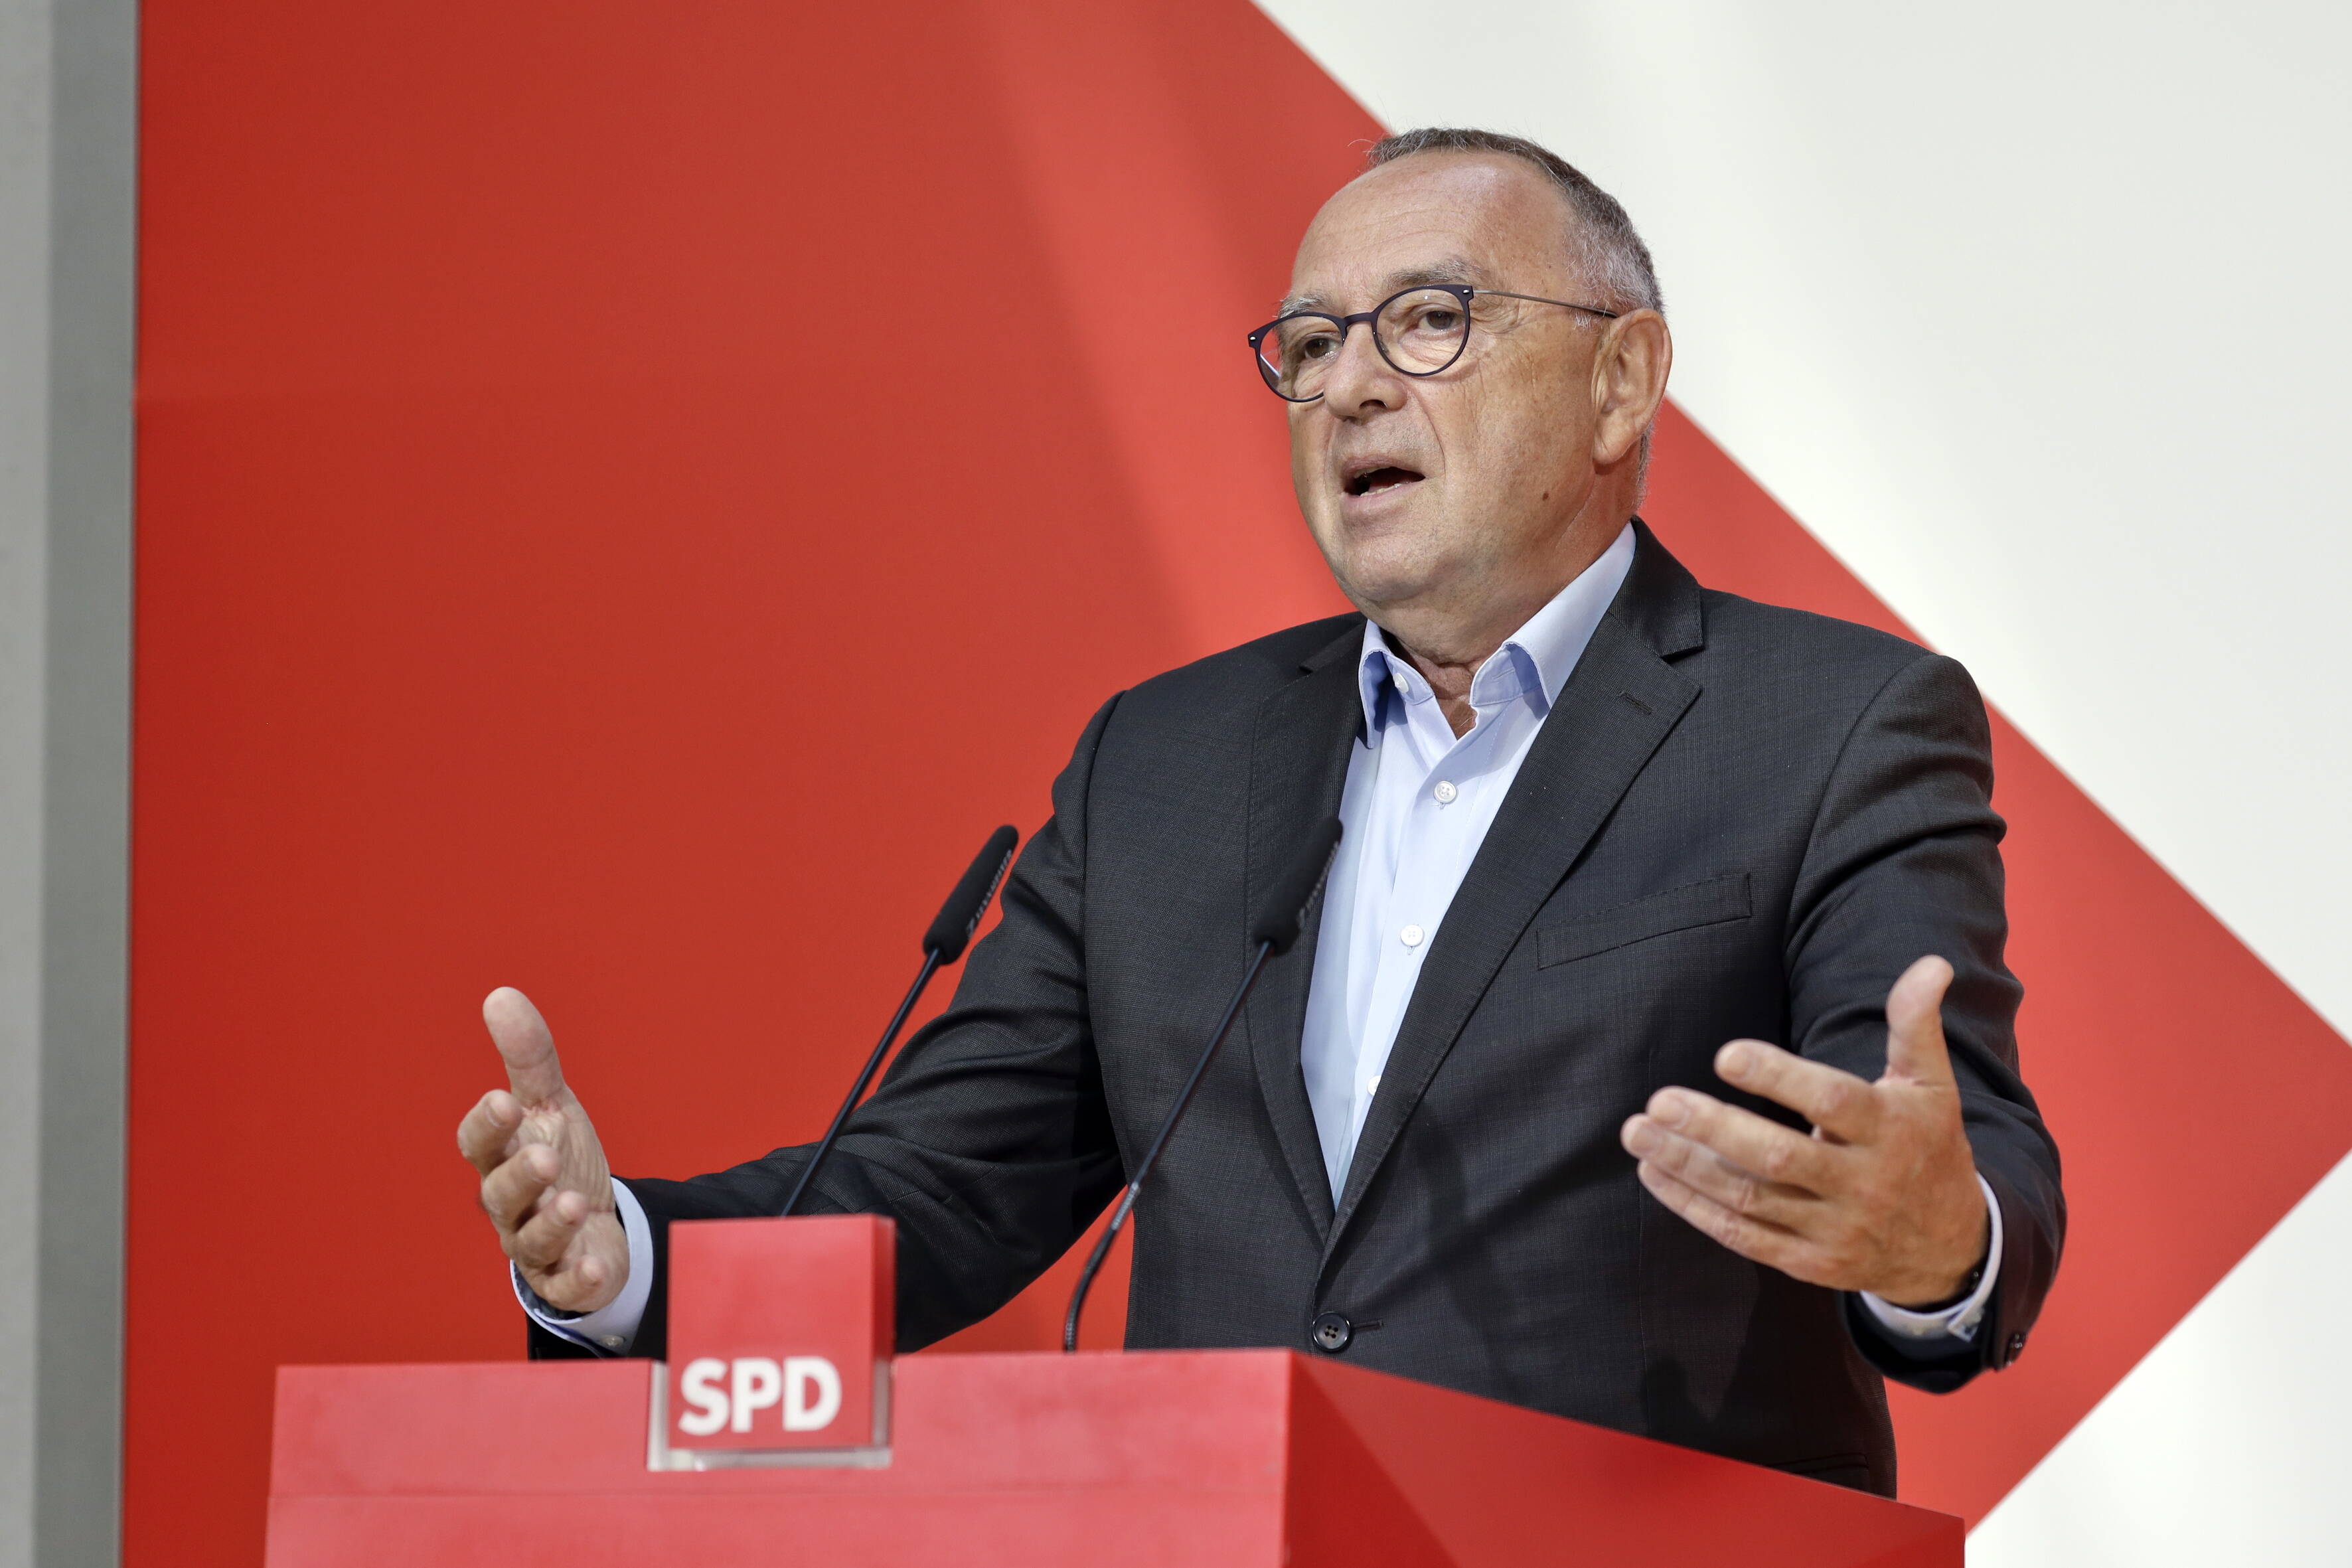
(791,1449)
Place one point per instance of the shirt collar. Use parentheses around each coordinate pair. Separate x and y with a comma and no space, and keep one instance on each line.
(1534,661)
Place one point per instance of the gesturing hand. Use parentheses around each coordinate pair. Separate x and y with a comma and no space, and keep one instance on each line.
(544,1181)
(1883,1197)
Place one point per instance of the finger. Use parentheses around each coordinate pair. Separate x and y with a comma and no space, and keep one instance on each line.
(1752,1238)
(486,1136)
(1915,1024)
(521,1037)
(541,1241)
(1736,1187)
(573,1281)
(511,1191)
(586,1270)
(1839,1103)
(590,1266)
(1693,1126)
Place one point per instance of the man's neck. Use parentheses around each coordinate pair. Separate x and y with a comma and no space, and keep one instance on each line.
(1448,643)
(1449,682)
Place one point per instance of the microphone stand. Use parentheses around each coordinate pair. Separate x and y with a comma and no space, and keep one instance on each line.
(943,943)
(931,961)
(1273,931)
(1143,1168)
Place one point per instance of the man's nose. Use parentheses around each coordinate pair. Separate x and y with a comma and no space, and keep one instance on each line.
(1361,378)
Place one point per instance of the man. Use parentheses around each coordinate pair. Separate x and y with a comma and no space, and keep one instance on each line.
(1650,1058)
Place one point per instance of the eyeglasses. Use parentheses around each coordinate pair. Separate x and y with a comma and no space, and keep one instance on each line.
(1418,330)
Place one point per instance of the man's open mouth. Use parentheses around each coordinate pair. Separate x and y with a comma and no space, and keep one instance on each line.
(1382,479)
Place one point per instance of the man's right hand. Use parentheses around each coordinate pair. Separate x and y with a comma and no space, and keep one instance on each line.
(544,1181)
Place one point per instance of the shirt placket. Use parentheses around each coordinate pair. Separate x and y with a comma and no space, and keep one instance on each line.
(1426,870)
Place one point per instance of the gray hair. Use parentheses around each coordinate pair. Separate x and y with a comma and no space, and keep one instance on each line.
(1609,255)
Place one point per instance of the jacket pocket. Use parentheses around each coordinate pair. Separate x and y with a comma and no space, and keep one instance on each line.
(1711,902)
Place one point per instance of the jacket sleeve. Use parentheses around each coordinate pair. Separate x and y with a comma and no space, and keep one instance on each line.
(1905,860)
(989,1141)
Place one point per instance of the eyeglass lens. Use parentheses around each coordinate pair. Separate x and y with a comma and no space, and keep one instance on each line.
(1420,331)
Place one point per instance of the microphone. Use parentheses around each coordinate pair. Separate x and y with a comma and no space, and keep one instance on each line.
(943,943)
(1279,924)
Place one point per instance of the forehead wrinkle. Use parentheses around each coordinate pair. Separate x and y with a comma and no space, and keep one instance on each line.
(1449,269)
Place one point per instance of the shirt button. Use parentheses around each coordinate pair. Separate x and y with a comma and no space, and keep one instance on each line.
(1412,935)
(613,1341)
(1372,1084)
(1444,792)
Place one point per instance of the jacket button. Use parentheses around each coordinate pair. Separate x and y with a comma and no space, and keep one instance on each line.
(2016,1345)
(1331,1333)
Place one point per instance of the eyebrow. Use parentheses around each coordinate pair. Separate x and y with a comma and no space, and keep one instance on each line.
(1451,269)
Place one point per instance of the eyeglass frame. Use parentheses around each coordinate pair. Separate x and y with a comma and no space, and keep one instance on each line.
(1370,320)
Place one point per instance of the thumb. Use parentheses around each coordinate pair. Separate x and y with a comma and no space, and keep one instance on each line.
(1915,1024)
(520,1033)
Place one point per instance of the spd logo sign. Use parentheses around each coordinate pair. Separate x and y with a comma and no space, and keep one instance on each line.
(780,1341)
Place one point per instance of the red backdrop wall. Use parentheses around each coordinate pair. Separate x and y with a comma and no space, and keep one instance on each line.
(629,494)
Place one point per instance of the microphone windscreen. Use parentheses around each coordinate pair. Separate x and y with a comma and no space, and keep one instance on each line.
(1282,915)
(960,916)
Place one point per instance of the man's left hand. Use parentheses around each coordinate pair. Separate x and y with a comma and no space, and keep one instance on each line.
(1882,1198)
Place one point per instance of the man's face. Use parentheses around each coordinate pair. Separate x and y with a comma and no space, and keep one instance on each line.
(1442,489)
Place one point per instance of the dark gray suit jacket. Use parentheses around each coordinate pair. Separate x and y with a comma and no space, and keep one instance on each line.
(1738,820)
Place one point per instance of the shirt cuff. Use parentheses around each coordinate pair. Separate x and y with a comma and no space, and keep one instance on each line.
(1919,1330)
(612,1328)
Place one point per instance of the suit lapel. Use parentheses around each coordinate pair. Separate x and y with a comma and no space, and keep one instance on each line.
(1622,700)
(1299,766)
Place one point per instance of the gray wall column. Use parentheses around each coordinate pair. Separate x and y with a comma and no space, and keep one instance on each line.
(68,200)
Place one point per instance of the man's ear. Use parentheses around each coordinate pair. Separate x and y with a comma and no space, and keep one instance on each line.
(1628,382)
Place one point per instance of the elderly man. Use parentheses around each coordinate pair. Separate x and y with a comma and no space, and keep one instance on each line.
(1651,1057)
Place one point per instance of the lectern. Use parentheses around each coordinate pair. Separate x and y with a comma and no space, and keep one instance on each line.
(777,1434)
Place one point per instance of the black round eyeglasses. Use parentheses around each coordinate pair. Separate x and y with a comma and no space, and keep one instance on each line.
(1420,331)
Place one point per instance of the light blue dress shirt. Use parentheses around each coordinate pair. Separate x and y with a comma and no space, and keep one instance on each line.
(1416,806)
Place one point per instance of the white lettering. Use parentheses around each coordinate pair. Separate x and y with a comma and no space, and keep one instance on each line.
(700,1387)
(759,1382)
(803,1373)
